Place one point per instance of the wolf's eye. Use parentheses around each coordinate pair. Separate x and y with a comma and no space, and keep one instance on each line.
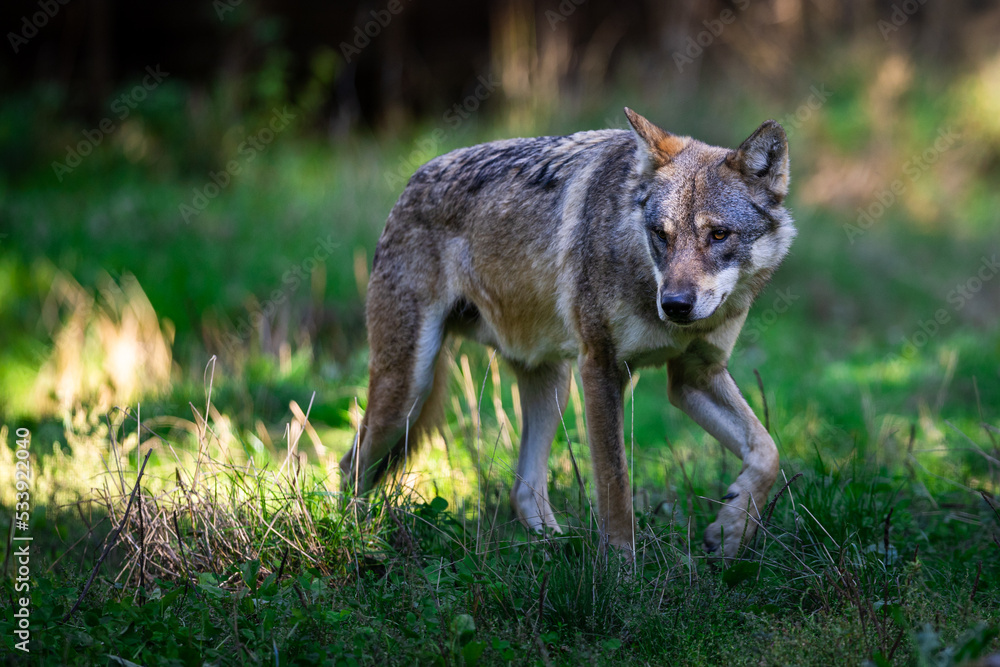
(720,234)
(660,234)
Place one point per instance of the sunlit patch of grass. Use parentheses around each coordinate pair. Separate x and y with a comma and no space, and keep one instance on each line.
(105,351)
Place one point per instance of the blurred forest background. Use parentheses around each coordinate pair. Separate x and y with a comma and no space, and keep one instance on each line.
(188,179)
(191,193)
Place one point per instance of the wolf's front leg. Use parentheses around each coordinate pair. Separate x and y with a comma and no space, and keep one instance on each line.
(708,394)
(602,394)
(544,391)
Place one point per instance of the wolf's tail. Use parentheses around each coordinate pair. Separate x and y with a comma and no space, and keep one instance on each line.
(420,426)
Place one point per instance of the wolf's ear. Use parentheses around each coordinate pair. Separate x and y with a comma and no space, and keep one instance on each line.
(661,146)
(763,159)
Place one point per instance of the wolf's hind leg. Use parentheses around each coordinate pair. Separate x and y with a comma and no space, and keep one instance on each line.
(544,391)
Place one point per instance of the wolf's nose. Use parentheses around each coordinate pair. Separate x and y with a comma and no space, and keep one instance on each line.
(677,306)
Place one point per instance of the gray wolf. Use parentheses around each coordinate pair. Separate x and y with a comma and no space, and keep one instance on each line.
(617,248)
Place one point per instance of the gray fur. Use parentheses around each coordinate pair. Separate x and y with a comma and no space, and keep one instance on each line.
(558,248)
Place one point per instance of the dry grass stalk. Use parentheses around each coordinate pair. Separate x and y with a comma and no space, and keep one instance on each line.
(218,513)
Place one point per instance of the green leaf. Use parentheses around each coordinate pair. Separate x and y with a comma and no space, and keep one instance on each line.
(463,628)
(880,660)
(250,571)
(740,572)
(439,504)
(212,591)
(168,599)
(472,651)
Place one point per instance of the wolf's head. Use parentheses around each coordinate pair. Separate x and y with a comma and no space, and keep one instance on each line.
(711,217)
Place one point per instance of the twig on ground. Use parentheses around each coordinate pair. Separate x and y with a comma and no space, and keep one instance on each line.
(112,540)
(771,506)
(180,545)
(975,584)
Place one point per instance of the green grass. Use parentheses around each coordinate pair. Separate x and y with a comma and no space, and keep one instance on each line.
(883,550)
(880,551)
(858,564)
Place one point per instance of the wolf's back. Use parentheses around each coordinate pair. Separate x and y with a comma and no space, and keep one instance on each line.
(512,172)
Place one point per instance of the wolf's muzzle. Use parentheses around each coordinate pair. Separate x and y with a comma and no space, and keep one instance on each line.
(677,306)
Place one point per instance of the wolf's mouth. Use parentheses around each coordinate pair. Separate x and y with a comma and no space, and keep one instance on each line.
(687,319)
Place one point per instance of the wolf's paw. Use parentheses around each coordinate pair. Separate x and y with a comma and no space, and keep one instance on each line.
(620,545)
(733,527)
(533,510)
